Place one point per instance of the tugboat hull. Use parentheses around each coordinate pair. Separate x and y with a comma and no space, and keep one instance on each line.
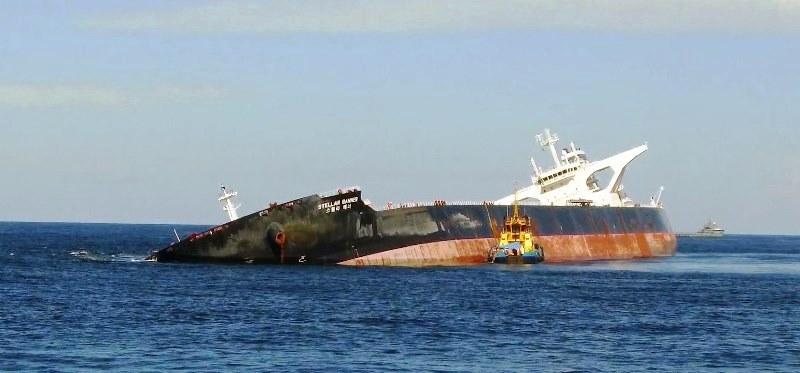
(518,259)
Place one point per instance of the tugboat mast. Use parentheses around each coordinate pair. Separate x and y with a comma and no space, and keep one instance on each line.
(226,198)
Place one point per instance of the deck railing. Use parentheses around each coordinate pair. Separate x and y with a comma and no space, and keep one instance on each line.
(354,188)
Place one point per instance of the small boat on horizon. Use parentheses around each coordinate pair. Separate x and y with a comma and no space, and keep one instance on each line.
(710,229)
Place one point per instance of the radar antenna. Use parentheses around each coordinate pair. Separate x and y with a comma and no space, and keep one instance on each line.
(549,140)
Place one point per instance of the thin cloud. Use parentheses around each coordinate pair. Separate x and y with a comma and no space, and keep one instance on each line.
(181,93)
(392,16)
(60,95)
(29,95)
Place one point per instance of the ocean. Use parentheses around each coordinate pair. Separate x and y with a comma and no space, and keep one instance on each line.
(80,297)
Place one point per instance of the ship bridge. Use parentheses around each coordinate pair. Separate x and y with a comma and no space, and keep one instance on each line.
(574,179)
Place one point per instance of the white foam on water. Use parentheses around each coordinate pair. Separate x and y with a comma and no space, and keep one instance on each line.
(109,258)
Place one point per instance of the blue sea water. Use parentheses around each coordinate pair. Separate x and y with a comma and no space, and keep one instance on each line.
(76,297)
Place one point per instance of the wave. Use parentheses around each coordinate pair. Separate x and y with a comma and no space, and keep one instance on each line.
(693,264)
(91,256)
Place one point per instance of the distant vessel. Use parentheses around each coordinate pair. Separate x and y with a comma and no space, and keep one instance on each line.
(710,229)
(576,213)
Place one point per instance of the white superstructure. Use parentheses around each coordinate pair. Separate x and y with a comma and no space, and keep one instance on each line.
(226,198)
(711,229)
(574,180)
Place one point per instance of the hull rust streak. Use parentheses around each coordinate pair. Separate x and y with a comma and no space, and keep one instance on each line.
(442,253)
(557,249)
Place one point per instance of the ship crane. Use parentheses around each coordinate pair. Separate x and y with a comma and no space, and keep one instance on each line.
(226,198)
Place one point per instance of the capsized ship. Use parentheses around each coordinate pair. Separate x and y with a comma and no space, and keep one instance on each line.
(577,218)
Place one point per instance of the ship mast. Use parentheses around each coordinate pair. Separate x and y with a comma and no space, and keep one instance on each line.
(548,140)
(226,198)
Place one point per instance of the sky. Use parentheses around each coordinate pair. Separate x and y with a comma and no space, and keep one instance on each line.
(116,111)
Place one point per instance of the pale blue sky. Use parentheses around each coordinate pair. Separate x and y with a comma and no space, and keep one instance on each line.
(136,111)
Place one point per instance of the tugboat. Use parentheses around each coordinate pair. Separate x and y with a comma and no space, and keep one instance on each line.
(516,245)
